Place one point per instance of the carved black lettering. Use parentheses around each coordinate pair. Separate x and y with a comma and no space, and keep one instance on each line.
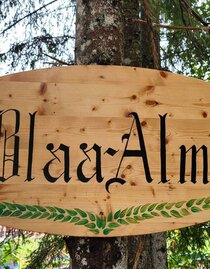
(111,151)
(193,163)
(98,172)
(14,158)
(132,153)
(66,171)
(31,147)
(163,148)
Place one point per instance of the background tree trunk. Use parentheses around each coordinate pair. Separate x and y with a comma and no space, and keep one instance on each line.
(106,33)
(99,40)
(99,32)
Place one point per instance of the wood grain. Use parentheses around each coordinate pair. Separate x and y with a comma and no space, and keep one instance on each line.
(91,104)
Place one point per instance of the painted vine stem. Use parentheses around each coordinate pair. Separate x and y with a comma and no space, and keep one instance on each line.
(98,224)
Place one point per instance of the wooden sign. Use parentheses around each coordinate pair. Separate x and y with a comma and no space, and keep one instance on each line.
(103,151)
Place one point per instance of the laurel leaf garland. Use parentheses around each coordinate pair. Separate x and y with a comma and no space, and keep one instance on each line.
(98,224)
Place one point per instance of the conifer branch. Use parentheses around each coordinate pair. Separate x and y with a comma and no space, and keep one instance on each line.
(139,252)
(151,34)
(58,60)
(173,27)
(189,9)
(26,16)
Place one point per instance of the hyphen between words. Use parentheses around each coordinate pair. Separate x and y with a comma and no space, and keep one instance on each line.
(140,153)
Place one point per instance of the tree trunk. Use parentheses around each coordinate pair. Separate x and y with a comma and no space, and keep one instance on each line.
(99,32)
(149,252)
(99,40)
(106,33)
(132,33)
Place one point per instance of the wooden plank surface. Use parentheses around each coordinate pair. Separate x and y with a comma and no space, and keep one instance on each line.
(88,120)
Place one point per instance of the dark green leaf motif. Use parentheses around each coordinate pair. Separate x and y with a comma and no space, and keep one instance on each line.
(101,224)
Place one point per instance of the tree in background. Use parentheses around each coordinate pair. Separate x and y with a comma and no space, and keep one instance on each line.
(41,33)
(36,33)
(109,32)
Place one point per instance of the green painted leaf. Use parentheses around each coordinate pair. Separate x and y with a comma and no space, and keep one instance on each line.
(91,216)
(144,208)
(129,212)
(40,208)
(165,214)
(51,209)
(185,212)
(147,216)
(200,201)
(44,215)
(2,206)
(116,215)
(6,213)
(103,224)
(179,204)
(59,217)
(113,225)
(136,210)
(10,206)
(36,215)
(122,213)
(206,207)
(81,212)
(91,225)
(190,203)
(21,207)
(138,218)
(72,213)
(155,214)
(176,214)
(31,208)
(107,231)
(131,220)
(82,222)
(75,219)
(33,212)
(95,231)
(60,210)
(52,216)
(207,200)
(26,215)
(161,206)
(17,213)
(122,221)
(195,209)
(110,217)
(151,207)
(66,219)
(169,205)
(98,222)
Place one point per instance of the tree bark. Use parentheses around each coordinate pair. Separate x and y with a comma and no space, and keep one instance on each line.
(99,32)
(99,40)
(138,52)
(132,33)
(106,33)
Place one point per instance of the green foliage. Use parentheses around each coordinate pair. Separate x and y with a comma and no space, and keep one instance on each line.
(35,31)
(44,34)
(183,51)
(29,251)
(189,248)
(50,254)
(16,249)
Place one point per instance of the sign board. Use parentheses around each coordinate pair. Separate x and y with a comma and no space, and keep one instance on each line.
(103,151)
